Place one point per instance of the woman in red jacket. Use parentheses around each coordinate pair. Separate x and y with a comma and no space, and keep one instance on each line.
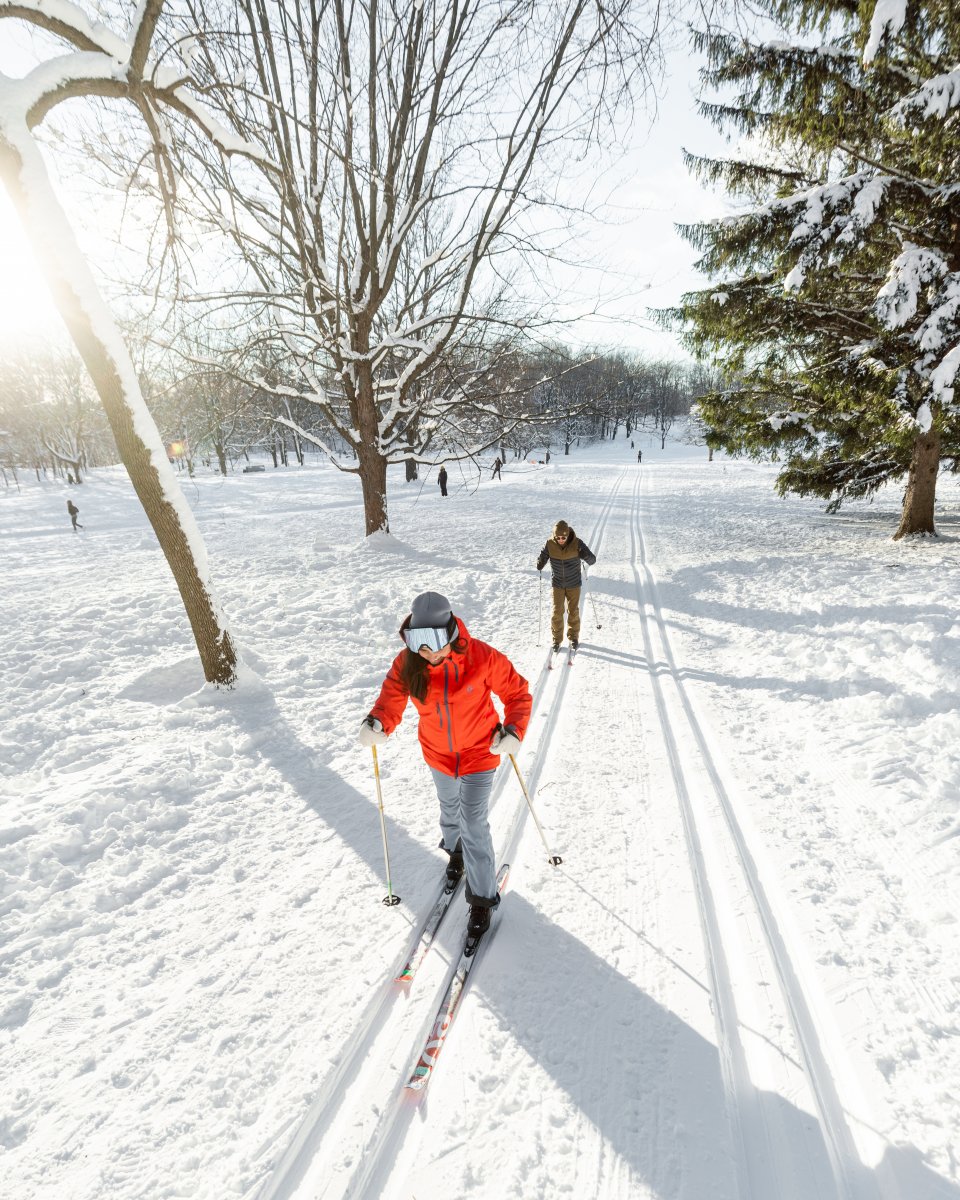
(450,676)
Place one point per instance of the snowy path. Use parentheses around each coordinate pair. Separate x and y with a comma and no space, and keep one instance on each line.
(750,772)
(784,1130)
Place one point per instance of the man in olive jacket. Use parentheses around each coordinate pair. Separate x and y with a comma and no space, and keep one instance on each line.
(565,550)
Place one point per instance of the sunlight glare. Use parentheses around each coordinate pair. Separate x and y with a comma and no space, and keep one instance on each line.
(26,308)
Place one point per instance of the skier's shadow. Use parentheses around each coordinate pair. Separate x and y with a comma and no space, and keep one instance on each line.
(629,1065)
(619,1055)
(350,814)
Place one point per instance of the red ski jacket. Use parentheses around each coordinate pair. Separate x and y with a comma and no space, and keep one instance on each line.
(457,717)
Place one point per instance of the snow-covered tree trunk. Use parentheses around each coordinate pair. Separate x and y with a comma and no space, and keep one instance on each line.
(99,344)
(919,498)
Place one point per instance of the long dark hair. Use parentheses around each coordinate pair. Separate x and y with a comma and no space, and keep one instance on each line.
(414,668)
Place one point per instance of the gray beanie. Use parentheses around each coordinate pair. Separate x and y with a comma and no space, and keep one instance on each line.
(430,610)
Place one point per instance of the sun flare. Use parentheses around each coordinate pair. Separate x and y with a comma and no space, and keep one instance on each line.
(26,308)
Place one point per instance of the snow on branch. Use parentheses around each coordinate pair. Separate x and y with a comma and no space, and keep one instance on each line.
(934,99)
(69,22)
(888,19)
(944,317)
(834,213)
(911,271)
(103,63)
(944,376)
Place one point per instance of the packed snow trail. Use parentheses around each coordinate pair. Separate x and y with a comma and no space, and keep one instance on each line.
(195,993)
(769,1163)
(366,1073)
(788,1131)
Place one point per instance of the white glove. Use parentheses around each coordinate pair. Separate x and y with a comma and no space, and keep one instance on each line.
(371,733)
(505,741)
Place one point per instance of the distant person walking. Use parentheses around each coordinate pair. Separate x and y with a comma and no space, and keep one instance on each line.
(565,552)
(442,480)
(639,456)
(497,464)
(548,458)
(74,513)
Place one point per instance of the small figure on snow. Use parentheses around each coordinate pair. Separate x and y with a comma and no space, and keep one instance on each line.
(442,480)
(450,676)
(565,552)
(497,464)
(548,458)
(74,513)
(639,456)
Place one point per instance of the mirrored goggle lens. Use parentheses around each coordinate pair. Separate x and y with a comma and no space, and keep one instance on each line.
(433,639)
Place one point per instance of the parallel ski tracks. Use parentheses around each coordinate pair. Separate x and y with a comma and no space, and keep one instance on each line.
(391,1151)
(724,878)
(366,1090)
(367,1067)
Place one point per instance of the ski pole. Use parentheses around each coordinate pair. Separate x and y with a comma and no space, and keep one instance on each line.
(554,859)
(593,603)
(389,899)
(540,610)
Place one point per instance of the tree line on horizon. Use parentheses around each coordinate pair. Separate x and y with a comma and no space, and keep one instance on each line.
(214,419)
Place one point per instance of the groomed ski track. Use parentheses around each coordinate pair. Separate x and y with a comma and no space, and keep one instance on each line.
(683,1050)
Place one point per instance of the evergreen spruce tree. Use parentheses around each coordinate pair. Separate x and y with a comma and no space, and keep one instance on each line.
(836,311)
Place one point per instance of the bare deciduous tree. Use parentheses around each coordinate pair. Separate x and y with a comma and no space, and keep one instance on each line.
(405,149)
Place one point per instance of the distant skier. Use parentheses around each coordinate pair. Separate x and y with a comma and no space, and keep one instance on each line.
(449,676)
(565,552)
(74,513)
(639,456)
(497,464)
(442,480)
(548,458)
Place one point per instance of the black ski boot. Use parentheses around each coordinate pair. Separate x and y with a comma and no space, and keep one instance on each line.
(455,866)
(556,647)
(479,920)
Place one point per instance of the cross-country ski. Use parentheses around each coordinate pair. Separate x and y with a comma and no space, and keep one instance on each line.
(447,1010)
(428,932)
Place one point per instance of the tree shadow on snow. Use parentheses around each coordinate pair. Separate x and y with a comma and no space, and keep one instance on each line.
(650,1084)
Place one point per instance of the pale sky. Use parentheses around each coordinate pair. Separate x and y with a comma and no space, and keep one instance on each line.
(633,260)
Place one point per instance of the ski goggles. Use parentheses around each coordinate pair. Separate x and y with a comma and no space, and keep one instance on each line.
(433,639)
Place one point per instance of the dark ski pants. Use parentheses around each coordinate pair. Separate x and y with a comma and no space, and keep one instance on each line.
(463,815)
(571,598)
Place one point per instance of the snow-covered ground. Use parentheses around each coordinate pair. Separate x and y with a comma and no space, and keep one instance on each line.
(744,980)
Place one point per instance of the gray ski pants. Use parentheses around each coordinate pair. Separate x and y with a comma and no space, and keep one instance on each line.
(463,815)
